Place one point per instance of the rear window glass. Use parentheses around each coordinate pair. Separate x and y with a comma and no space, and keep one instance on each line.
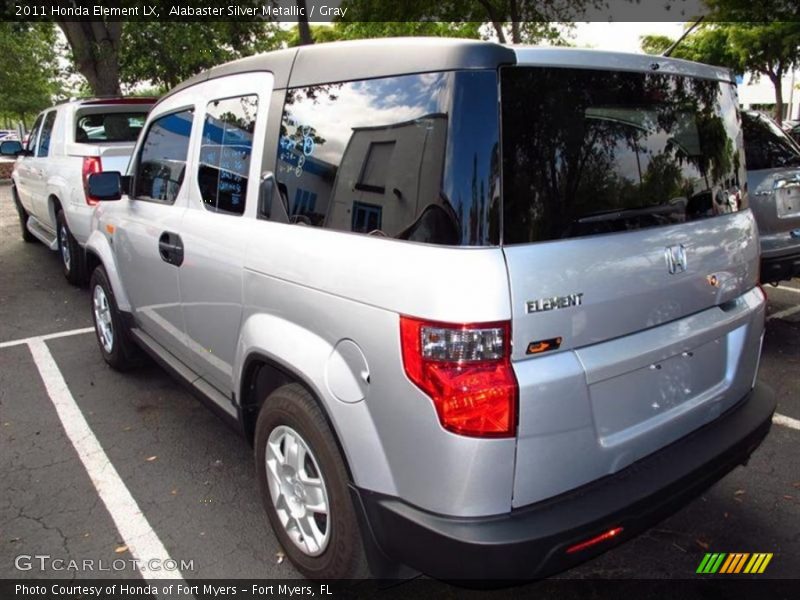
(109,127)
(766,146)
(588,152)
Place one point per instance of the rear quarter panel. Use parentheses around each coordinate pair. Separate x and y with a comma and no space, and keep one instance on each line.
(307,290)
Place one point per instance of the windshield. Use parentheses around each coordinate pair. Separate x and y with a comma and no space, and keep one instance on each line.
(587,152)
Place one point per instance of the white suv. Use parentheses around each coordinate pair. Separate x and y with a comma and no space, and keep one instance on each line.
(68,143)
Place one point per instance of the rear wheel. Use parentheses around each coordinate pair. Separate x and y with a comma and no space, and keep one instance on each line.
(303,483)
(70,251)
(117,348)
(27,236)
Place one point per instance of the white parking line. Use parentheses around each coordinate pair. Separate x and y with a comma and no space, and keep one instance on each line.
(49,336)
(786,421)
(789,289)
(784,313)
(142,541)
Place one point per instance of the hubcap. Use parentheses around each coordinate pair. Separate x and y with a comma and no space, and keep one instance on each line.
(63,235)
(102,319)
(298,490)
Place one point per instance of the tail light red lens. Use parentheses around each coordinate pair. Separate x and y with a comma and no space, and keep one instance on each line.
(466,371)
(91,165)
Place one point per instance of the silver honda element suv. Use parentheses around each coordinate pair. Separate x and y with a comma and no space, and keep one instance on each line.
(482,311)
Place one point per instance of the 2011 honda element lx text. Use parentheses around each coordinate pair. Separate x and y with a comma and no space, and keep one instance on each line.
(483,311)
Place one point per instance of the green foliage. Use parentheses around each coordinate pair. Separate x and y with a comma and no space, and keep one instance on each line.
(750,11)
(28,75)
(518,21)
(375,29)
(655,44)
(166,53)
(765,48)
(709,44)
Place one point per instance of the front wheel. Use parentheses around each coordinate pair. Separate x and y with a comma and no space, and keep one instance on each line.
(70,251)
(112,334)
(303,483)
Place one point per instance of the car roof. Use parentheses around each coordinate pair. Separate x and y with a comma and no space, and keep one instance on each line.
(333,62)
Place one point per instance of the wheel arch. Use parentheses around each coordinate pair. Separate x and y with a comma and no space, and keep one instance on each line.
(261,376)
(283,350)
(99,252)
(54,204)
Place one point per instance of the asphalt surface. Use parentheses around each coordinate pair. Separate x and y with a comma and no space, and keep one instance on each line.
(193,478)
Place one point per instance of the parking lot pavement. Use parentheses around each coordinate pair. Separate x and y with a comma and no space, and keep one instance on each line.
(190,480)
(34,297)
(48,503)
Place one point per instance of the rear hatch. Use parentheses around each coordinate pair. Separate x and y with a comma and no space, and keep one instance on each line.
(629,254)
(109,130)
(773,179)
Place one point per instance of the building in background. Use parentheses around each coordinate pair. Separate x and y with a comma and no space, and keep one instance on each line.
(760,95)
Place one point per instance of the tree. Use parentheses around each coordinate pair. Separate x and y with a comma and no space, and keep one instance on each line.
(166,53)
(95,49)
(28,76)
(101,50)
(347,30)
(771,49)
(303,28)
(708,45)
(517,21)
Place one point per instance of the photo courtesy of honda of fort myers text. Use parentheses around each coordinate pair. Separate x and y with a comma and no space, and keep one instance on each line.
(474,306)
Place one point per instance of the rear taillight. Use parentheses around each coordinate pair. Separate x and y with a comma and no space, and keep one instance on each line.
(466,371)
(91,164)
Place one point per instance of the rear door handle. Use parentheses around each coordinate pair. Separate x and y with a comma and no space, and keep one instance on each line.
(170,247)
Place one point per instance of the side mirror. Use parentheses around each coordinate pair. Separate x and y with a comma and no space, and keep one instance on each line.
(11,148)
(105,186)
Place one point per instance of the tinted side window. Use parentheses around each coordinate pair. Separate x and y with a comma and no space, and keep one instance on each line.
(162,159)
(225,153)
(766,146)
(413,157)
(43,148)
(33,133)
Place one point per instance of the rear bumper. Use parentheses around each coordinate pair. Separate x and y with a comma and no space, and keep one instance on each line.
(531,541)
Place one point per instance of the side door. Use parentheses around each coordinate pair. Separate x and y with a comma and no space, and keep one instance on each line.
(147,223)
(24,166)
(38,181)
(223,192)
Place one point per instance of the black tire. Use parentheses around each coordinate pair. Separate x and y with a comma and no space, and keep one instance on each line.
(27,236)
(122,353)
(343,558)
(69,252)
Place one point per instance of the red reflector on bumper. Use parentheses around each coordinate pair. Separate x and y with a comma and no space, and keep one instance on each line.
(598,539)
